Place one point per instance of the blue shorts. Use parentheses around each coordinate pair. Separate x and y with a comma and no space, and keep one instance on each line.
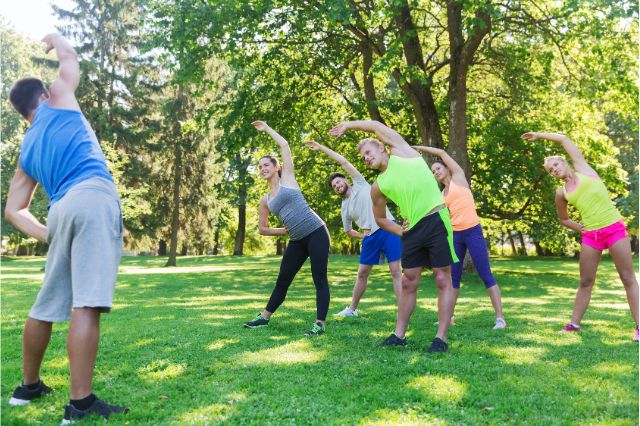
(374,245)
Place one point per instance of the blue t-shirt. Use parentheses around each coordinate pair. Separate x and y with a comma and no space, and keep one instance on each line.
(60,150)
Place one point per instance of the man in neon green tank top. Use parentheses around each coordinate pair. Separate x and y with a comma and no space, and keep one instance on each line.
(427,240)
(602,226)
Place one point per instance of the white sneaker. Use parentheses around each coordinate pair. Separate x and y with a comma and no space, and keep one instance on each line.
(347,312)
(452,321)
(500,324)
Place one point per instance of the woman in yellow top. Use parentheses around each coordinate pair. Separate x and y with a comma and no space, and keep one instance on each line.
(467,232)
(602,226)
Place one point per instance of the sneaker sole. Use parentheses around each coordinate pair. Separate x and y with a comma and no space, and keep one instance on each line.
(255,326)
(66,422)
(16,402)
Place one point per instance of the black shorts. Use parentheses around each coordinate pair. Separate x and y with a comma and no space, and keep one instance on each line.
(429,243)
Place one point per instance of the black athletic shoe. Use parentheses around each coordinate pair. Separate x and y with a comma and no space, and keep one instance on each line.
(258,321)
(393,340)
(23,395)
(98,407)
(316,330)
(437,345)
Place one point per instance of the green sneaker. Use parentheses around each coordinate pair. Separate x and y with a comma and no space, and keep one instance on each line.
(258,321)
(316,330)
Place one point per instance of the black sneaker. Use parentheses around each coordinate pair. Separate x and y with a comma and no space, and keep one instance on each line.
(23,395)
(258,321)
(98,407)
(437,345)
(316,330)
(393,340)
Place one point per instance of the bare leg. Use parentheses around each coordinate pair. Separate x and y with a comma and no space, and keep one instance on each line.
(456,294)
(589,260)
(407,302)
(621,255)
(396,277)
(34,344)
(82,346)
(362,280)
(446,300)
(496,300)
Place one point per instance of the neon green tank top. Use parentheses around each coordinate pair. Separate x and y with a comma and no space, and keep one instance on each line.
(592,200)
(409,183)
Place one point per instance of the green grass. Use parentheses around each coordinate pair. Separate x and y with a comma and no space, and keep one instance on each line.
(174,349)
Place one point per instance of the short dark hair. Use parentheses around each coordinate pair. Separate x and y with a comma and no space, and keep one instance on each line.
(25,93)
(332,176)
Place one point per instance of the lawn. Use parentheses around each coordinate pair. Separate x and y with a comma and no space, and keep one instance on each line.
(174,349)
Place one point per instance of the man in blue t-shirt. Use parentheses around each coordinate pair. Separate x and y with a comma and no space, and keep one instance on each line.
(84,230)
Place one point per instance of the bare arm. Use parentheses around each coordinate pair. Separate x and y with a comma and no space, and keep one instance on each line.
(385,134)
(358,235)
(563,213)
(64,87)
(288,174)
(263,220)
(346,165)
(455,169)
(380,211)
(17,208)
(578,160)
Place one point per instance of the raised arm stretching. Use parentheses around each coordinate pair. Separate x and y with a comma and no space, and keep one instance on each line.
(288,175)
(456,171)
(64,87)
(578,160)
(346,165)
(385,134)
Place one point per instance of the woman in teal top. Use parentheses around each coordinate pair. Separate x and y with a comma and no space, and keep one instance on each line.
(602,227)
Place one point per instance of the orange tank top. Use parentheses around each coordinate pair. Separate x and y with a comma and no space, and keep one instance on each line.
(460,202)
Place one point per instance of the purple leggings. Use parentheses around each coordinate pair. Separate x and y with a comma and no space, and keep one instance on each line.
(473,240)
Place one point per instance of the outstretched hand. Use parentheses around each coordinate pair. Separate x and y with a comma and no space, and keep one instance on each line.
(260,125)
(530,136)
(48,41)
(313,145)
(339,130)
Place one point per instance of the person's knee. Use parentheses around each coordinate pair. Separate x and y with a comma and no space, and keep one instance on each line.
(410,283)
(363,274)
(628,279)
(396,272)
(442,278)
(587,282)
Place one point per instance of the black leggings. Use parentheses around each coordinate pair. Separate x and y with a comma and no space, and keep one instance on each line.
(316,247)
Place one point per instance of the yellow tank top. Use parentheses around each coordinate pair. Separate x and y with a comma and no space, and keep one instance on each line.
(592,200)
(459,201)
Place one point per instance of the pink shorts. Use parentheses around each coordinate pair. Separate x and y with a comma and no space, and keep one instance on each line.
(603,238)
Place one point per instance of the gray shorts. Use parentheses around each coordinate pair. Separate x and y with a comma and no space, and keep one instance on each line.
(85,244)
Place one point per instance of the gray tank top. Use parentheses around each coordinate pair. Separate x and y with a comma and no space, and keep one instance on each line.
(294,212)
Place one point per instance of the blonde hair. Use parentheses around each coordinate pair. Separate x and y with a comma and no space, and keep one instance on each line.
(366,141)
(549,159)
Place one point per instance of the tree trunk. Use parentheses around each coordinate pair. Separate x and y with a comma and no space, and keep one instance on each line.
(514,250)
(461,54)
(467,265)
(216,241)
(184,250)
(281,246)
(523,244)
(367,78)
(177,178)
(417,91)
(238,249)
(162,248)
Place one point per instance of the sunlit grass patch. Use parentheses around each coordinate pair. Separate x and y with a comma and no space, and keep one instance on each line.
(299,352)
(443,389)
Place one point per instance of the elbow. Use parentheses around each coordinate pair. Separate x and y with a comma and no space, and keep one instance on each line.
(262,230)
(9,214)
(379,221)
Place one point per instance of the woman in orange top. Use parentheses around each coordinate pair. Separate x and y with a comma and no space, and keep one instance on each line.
(467,232)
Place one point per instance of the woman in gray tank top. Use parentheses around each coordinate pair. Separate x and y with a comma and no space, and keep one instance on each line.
(308,235)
